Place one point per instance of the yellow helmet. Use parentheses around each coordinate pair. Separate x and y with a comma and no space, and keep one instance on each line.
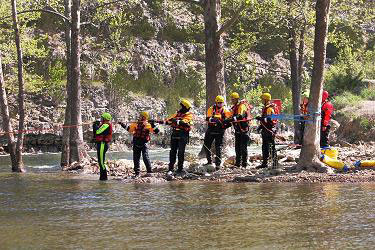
(266,96)
(145,114)
(186,103)
(219,98)
(235,95)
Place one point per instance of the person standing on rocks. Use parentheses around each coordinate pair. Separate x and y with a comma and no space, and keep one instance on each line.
(304,112)
(240,115)
(181,123)
(216,114)
(103,135)
(326,113)
(267,128)
(141,131)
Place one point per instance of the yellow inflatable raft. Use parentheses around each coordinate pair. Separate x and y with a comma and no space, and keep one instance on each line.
(334,163)
(330,152)
(365,163)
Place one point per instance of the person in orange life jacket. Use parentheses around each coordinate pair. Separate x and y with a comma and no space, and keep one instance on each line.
(216,114)
(181,123)
(103,135)
(141,131)
(268,130)
(304,111)
(239,111)
(326,112)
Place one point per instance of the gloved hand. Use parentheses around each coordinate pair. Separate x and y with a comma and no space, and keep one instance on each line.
(239,117)
(259,128)
(258,118)
(96,123)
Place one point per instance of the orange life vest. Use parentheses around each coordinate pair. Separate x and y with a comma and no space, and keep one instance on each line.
(180,116)
(141,132)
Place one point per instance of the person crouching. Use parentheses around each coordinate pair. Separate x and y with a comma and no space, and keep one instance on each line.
(141,131)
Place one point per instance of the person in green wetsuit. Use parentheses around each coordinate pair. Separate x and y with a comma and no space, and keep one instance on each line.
(103,135)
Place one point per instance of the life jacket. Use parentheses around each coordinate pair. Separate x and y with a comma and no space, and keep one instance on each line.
(218,113)
(303,108)
(106,135)
(272,123)
(181,116)
(242,126)
(141,132)
(326,112)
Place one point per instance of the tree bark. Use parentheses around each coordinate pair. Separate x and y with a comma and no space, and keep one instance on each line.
(21,89)
(7,126)
(296,84)
(77,151)
(309,157)
(214,60)
(65,150)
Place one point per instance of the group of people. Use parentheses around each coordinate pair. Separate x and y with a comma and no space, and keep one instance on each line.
(218,118)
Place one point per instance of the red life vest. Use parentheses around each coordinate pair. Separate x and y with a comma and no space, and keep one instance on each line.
(106,135)
(327,110)
(141,131)
(180,116)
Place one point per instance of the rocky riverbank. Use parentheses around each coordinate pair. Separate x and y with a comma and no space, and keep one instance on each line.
(122,170)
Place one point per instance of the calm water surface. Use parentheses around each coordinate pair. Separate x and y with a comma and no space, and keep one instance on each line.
(46,209)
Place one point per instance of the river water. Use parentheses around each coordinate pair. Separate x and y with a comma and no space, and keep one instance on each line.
(47,209)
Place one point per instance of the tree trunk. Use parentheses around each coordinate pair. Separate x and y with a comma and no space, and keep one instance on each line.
(77,151)
(65,150)
(309,157)
(21,96)
(301,55)
(214,61)
(296,84)
(7,126)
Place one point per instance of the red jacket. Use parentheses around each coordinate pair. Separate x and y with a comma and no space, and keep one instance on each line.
(327,109)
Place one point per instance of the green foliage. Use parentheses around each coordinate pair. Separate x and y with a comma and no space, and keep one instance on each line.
(368,93)
(346,74)
(346,99)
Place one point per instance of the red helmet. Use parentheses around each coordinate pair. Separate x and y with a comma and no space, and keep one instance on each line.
(325,95)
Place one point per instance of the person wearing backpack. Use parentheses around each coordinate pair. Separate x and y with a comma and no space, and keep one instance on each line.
(216,114)
(141,131)
(267,128)
(103,135)
(240,116)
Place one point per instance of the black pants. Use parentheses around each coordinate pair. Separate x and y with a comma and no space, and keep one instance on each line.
(101,150)
(179,139)
(268,145)
(138,150)
(209,137)
(241,139)
(324,137)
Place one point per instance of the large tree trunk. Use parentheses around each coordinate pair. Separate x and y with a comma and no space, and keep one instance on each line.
(214,61)
(65,150)
(77,150)
(296,84)
(309,157)
(7,126)
(21,96)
